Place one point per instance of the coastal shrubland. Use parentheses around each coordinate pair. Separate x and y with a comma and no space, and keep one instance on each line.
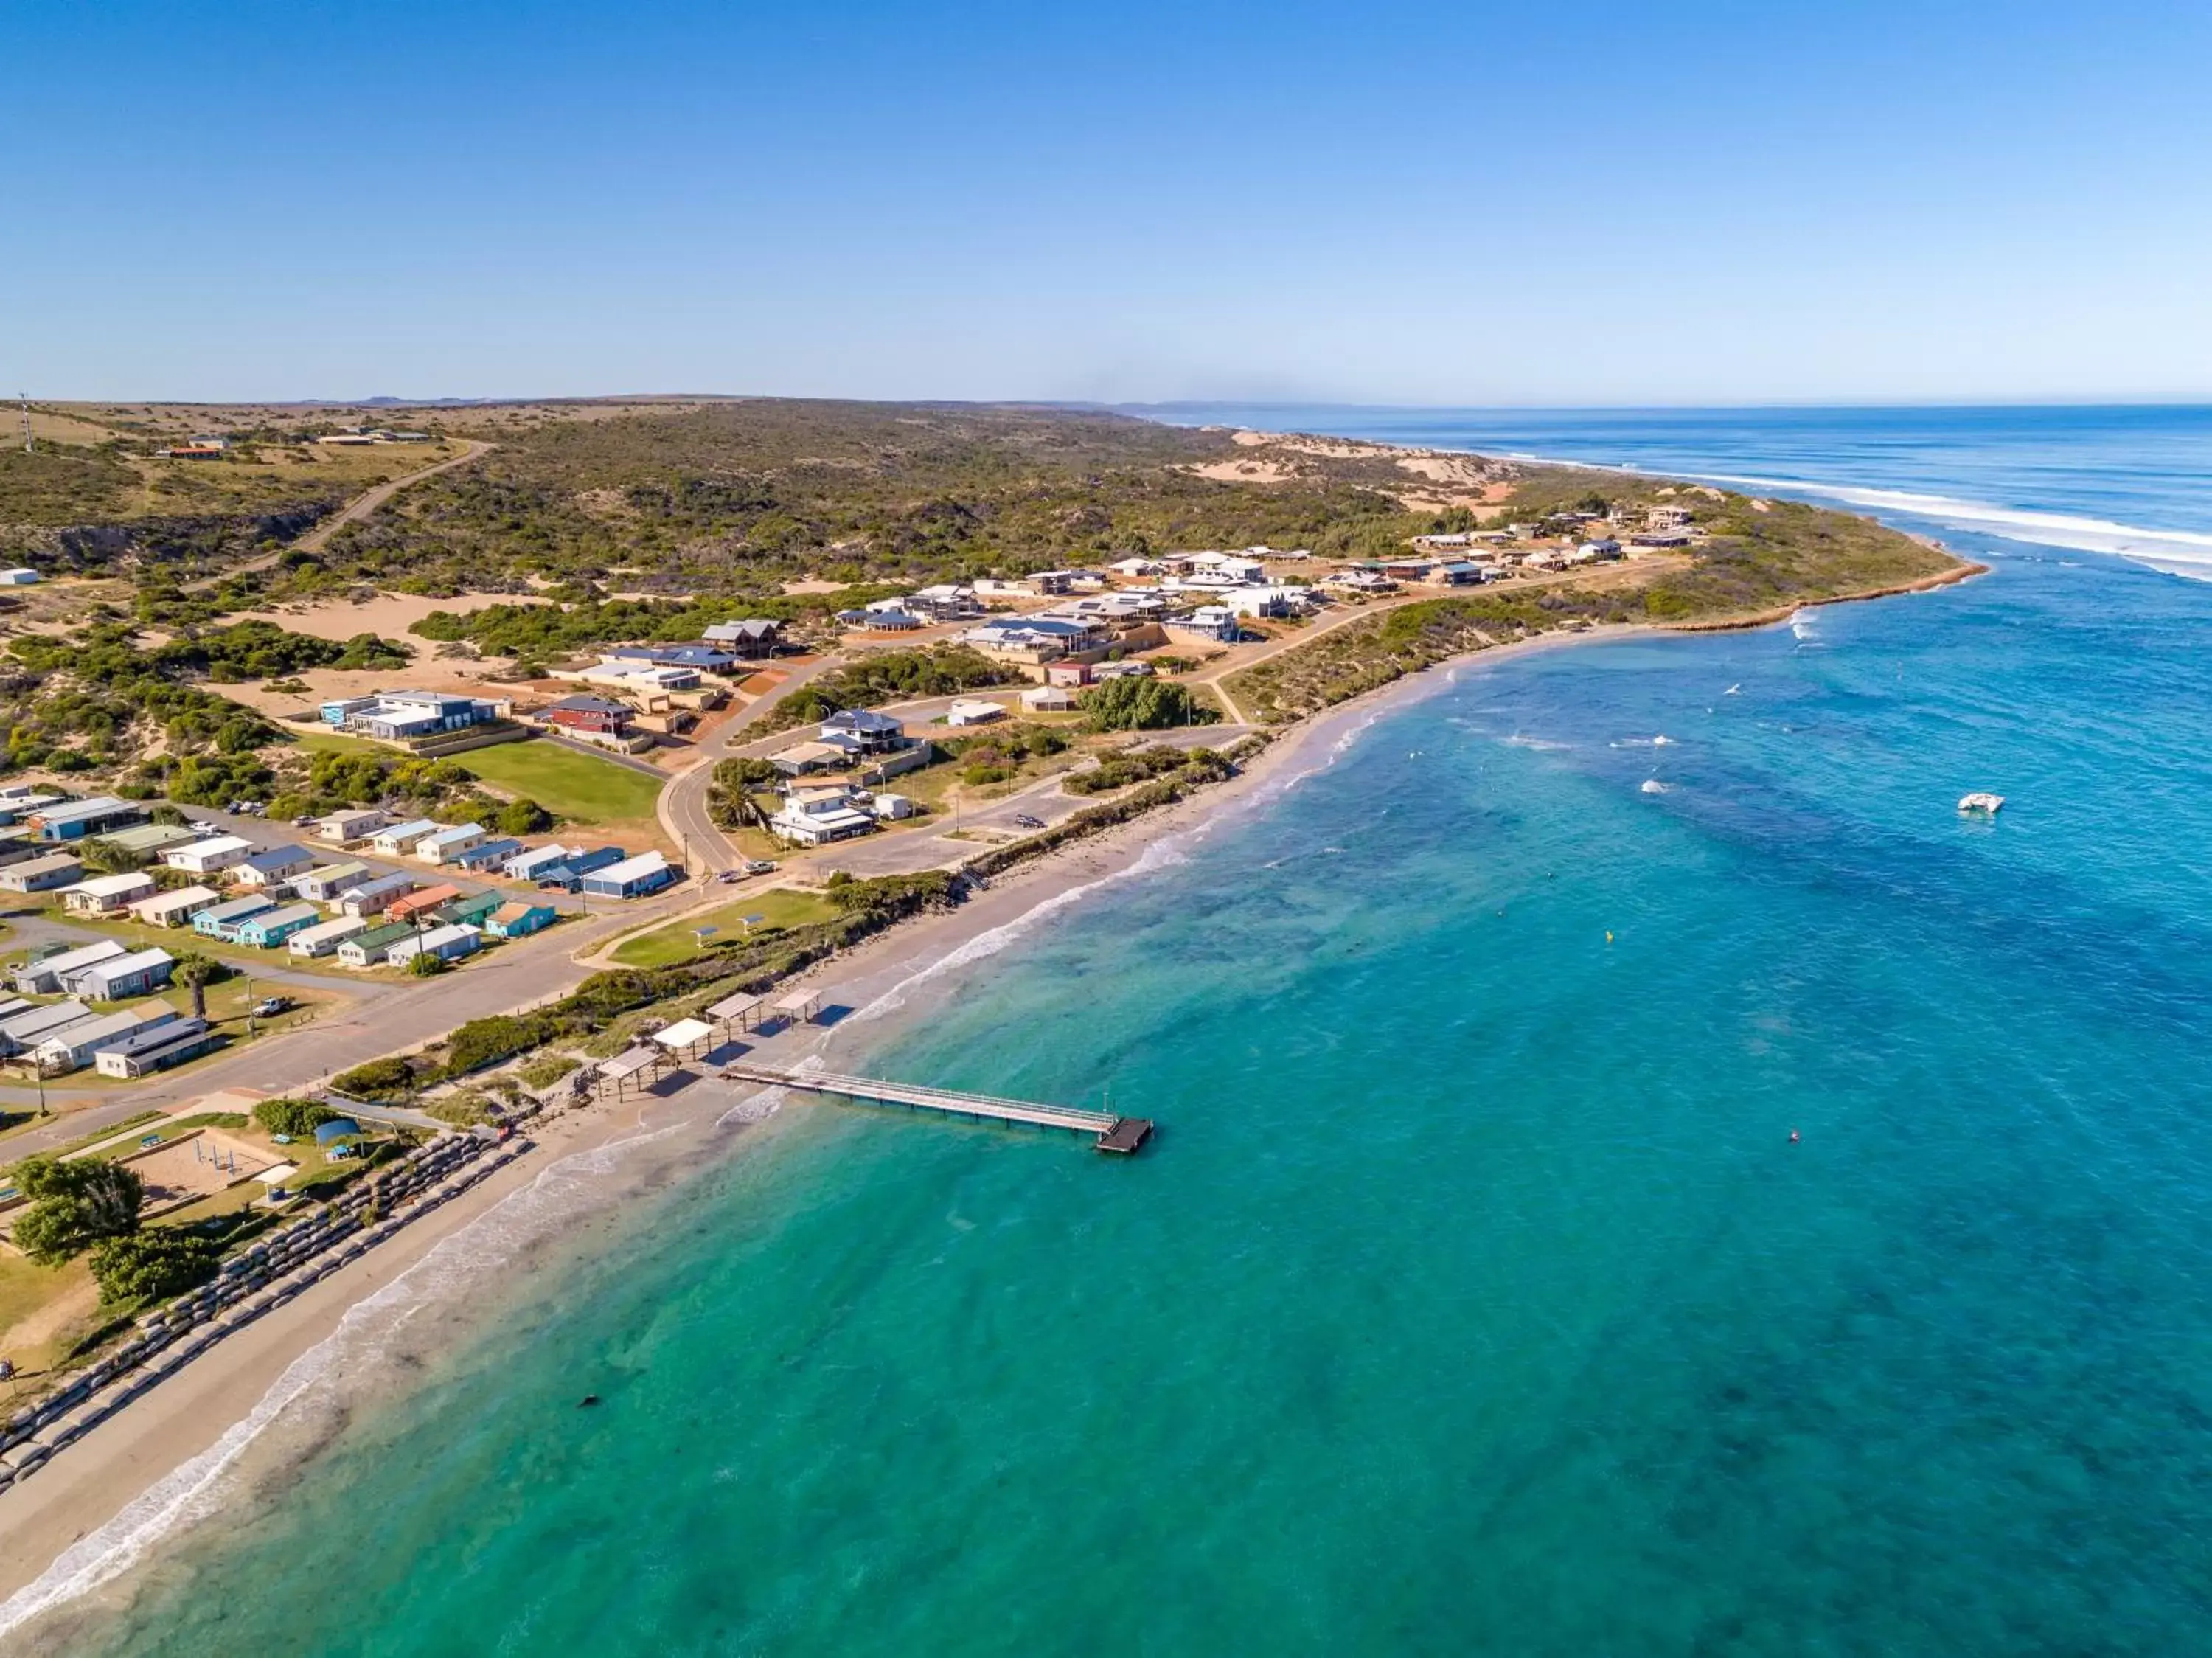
(724,965)
(890,676)
(1143,704)
(1143,765)
(1759,558)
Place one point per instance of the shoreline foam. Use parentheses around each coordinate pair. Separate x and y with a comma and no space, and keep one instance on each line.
(182,1460)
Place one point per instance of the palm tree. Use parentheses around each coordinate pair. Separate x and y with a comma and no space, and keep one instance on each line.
(196,973)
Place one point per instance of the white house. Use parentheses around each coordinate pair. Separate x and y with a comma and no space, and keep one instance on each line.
(448,943)
(395,839)
(1216,623)
(446,845)
(206,857)
(325,937)
(177,908)
(104,894)
(816,817)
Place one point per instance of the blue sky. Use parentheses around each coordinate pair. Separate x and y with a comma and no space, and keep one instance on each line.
(1584,201)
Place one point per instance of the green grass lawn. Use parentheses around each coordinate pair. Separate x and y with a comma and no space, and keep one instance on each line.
(679,941)
(582,788)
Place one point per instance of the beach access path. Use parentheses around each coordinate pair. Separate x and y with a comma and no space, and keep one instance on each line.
(352,512)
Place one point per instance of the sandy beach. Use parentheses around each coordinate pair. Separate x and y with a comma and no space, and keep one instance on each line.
(248,1411)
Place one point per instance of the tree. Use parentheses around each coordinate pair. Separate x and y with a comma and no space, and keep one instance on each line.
(105,857)
(74,1205)
(149,1265)
(1132,705)
(423,964)
(524,817)
(293,1117)
(196,973)
(730,802)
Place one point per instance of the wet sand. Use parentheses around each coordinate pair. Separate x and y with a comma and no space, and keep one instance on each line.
(254,1408)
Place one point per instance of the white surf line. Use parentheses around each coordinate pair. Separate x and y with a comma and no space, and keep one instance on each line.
(198,1489)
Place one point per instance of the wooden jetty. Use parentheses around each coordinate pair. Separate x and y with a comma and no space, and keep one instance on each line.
(1119,1136)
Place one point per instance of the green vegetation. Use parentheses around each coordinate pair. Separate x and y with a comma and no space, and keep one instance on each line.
(1143,704)
(340,773)
(890,676)
(295,1117)
(262,650)
(735,499)
(1756,562)
(999,752)
(544,1071)
(581,787)
(150,1265)
(379,1079)
(866,907)
(73,1205)
(779,908)
(1191,766)
(733,792)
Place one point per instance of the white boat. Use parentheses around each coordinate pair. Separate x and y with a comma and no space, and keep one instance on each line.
(1981,800)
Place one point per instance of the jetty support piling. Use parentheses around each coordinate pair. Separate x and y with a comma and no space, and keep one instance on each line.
(1121,1136)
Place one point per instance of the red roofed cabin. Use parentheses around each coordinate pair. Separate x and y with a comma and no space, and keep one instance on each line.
(407,908)
(594,714)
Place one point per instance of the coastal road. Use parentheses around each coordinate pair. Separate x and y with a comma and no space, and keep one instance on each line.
(386,1018)
(352,512)
(977,829)
(682,806)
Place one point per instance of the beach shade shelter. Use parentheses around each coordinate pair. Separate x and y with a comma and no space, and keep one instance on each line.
(625,1070)
(799,1007)
(741,1011)
(680,1039)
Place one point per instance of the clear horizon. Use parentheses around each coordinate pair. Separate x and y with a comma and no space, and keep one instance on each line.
(1595,207)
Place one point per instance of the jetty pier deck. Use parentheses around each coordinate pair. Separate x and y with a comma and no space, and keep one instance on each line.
(1119,1136)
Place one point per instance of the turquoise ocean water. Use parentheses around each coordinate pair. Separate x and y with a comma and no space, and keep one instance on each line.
(1475,1297)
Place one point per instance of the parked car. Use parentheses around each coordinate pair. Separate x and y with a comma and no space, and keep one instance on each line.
(759,867)
(269,1006)
(1027,821)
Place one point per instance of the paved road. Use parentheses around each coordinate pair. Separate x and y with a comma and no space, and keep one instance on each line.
(516,976)
(683,804)
(904,852)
